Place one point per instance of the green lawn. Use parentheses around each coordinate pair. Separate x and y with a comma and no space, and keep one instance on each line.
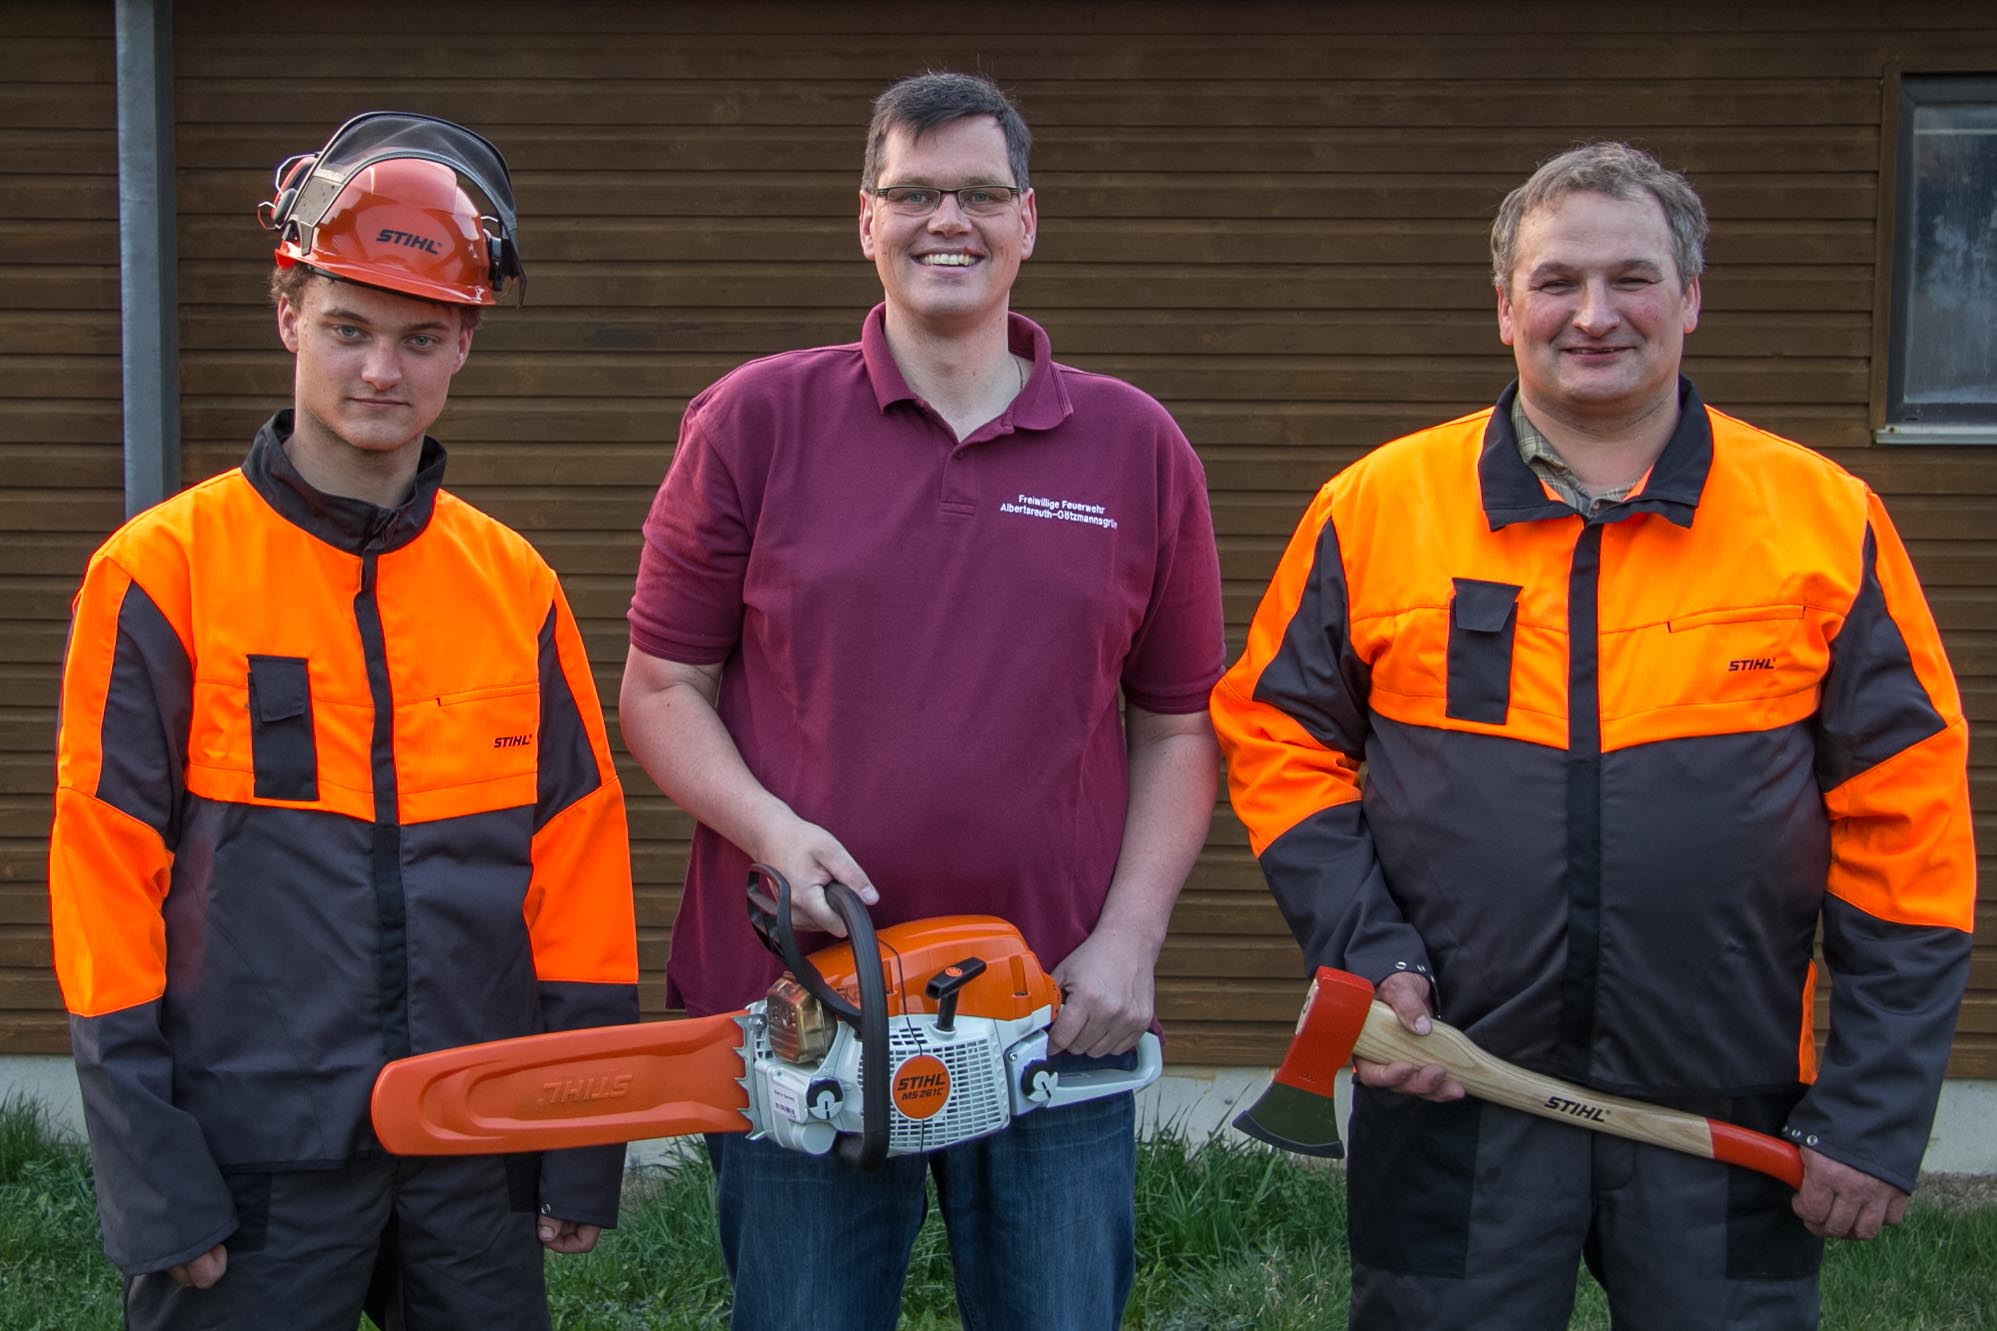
(1229,1239)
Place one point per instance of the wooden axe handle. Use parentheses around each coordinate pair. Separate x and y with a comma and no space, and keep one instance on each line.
(1384,1040)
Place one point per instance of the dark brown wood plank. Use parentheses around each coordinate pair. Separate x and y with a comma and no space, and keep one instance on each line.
(606,52)
(1060,152)
(831,196)
(1796,19)
(1563,110)
(34,1032)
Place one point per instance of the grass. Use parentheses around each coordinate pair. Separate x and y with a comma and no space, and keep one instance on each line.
(53,1277)
(1229,1238)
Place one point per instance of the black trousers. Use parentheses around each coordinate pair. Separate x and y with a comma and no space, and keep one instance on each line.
(425,1245)
(1471,1214)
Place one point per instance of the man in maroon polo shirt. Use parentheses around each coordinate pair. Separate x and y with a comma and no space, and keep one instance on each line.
(890,596)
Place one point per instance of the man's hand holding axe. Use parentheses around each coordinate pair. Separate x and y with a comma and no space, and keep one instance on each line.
(1394,1042)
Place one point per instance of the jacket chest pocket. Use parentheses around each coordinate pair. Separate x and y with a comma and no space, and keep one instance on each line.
(1712,672)
(1744,652)
(282,752)
(473,751)
(1483,622)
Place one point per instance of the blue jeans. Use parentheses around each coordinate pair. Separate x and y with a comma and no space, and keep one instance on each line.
(1040,1217)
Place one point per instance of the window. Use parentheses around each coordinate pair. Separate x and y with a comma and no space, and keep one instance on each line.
(1942,357)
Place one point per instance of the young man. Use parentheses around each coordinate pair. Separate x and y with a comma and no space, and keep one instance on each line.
(891,595)
(1645,696)
(334,788)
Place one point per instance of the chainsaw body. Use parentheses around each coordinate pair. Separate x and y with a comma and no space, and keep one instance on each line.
(946,1087)
(968,1007)
(942,1039)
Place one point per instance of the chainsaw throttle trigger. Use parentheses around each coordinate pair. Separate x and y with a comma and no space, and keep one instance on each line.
(943,987)
(1079,1084)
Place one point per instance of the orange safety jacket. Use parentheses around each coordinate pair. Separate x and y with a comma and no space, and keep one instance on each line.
(1616,770)
(333,787)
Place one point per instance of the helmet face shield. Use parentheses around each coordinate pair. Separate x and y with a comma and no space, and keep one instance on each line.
(404,202)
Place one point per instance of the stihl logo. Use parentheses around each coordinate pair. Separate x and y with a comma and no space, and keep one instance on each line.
(921,1086)
(1752,663)
(572,1090)
(409,238)
(512,741)
(1577,1109)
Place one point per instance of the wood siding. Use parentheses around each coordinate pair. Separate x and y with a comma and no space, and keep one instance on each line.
(61,467)
(1271,216)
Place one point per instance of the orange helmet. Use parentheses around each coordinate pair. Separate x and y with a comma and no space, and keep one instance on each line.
(401,201)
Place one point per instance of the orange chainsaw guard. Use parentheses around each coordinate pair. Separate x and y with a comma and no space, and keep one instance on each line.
(609,1084)
(547,1092)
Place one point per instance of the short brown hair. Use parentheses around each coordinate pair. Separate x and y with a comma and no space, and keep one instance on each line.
(929,101)
(288,282)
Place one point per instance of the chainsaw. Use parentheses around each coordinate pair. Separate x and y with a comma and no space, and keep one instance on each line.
(939,1036)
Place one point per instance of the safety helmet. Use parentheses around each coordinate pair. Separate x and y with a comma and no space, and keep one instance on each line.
(402,201)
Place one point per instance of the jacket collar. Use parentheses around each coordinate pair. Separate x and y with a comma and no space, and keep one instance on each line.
(1513,494)
(348,524)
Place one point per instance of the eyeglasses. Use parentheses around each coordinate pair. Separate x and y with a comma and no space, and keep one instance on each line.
(922,200)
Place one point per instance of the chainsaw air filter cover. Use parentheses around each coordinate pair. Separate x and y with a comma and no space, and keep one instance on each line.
(799,1028)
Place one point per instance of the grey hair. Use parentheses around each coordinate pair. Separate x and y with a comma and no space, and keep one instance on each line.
(928,101)
(1619,171)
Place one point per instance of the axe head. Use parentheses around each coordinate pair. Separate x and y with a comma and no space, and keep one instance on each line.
(1297,1111)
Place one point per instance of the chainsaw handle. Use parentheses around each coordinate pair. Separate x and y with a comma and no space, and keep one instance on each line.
(772,924)
(870,1148)
(1092,1084)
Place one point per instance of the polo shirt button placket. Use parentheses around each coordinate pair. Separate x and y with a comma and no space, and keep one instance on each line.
(956,494)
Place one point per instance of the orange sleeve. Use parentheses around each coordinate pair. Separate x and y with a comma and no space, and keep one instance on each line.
(1279,770)
(1897,749)
(579,909)
(118,771)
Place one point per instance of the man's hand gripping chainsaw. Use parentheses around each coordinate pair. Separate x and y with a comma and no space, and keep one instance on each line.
(940,1038)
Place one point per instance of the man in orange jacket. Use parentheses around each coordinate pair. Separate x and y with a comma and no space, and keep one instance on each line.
(1645,696)
(333,787)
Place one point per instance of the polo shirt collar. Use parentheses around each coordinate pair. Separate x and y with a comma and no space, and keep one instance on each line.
(1512,493)
(1042,405)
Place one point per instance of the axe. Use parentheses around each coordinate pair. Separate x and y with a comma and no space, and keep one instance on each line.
(1341,1018)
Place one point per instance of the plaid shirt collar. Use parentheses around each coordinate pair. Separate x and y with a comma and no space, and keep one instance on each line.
(1547,464)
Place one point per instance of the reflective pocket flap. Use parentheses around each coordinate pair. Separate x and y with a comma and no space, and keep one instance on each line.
(280,687)
(1483,607)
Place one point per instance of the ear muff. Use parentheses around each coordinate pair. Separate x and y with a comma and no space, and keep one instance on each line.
(504,258)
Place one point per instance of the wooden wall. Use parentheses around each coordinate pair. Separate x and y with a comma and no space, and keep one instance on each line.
(61,469)
(1271,216)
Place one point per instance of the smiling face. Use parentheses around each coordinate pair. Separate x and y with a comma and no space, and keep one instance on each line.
(947,274)
(1594,312)
(373,368)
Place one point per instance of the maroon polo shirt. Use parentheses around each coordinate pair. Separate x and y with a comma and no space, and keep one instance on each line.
(923,641)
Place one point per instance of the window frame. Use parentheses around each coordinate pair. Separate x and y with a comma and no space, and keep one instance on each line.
(1907,92)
